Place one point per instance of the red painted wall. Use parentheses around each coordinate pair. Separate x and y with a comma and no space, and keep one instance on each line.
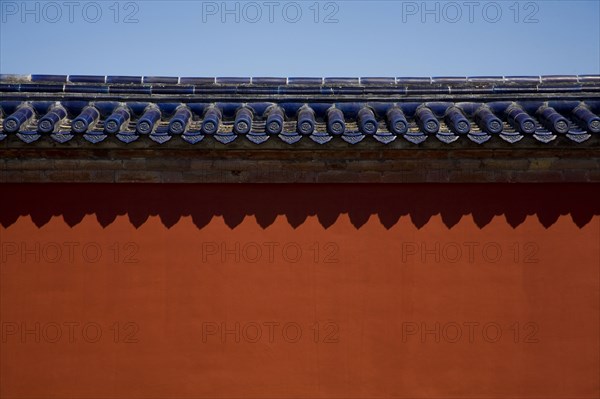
(329,295)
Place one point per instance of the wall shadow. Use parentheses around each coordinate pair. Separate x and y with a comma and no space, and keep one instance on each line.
(298,201)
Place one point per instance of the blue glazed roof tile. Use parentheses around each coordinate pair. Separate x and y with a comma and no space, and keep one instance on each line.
(10,87)
(83,88)
(160,79)
(451,111)
(130,90)
(305,80)
(346,81)
(486,79)
(233,80)
(413,80)
(180,89)
(196,81)
(378,81)
(523,79)
(49,78)
(448,79)
(560,79)
(124,79)
(87,79)
(50,88)
(269,81)
(589,78)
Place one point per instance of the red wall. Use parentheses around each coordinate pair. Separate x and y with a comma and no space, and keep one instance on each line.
(397,291)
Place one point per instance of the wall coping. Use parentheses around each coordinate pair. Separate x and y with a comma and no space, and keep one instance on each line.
(560,144)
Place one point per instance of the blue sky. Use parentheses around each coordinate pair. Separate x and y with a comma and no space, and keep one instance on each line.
(300,38)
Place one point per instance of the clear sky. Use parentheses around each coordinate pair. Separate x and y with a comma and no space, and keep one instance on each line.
(300,38)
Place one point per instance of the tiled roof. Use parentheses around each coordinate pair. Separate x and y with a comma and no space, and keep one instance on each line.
(73,128)
(169,110)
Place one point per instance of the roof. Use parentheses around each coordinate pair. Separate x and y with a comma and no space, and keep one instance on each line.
(331,117)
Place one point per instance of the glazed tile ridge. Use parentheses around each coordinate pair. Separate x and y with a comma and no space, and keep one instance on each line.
(123,79)
(167,111)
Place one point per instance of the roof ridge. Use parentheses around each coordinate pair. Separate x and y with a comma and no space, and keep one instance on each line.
(273,80)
